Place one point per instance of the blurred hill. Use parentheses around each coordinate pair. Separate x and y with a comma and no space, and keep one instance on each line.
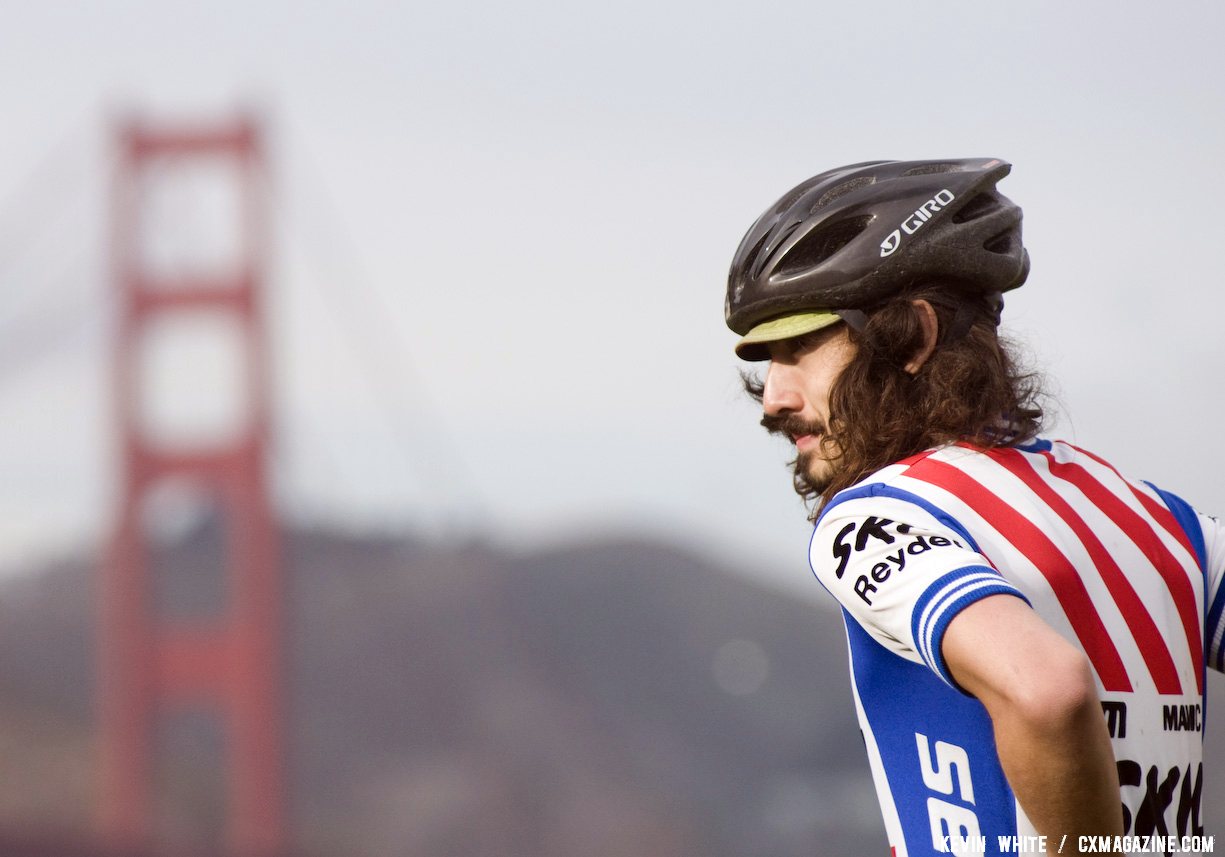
(623,698)
(620,698)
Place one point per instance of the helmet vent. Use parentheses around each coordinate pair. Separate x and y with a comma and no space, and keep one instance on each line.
(931,169)
(978,206)
(842,190)
(784,205)
(820,244)
(750,258)
(1001,243)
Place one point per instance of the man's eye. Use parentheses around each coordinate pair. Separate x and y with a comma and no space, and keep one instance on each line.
(806,342)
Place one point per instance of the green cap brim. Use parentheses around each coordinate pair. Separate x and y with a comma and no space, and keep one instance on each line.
(753,345)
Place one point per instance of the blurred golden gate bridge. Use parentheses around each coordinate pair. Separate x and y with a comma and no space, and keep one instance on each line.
(150,660)
(230,662)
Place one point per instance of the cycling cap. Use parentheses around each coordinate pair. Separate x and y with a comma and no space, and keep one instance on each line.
(851,238)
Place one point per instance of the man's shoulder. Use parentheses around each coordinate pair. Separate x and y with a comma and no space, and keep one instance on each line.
(923,475)
(959,484)
(894,500)
(955,468)
(1017,494)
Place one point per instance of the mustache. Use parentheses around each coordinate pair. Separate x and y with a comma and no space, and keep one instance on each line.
(791,426)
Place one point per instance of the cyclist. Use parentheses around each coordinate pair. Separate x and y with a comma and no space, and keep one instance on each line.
(1028,629)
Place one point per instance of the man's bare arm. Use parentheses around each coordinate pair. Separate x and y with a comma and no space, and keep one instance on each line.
(1049,730)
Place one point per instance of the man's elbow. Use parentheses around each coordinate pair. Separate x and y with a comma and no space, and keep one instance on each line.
(1063,692)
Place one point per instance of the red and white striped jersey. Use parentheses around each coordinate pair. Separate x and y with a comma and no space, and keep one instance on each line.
(1128,573)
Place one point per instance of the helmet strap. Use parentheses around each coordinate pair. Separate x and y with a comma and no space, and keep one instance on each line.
(964,316)
(967,312)
(856,319)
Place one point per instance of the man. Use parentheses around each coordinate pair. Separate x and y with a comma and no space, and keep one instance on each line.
(1028,630)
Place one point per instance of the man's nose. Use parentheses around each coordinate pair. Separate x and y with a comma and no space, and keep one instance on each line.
(781,394)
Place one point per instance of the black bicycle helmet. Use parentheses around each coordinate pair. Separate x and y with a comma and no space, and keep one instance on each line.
(850,238)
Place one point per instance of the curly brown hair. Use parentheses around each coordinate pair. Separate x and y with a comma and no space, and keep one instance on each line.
(970,389)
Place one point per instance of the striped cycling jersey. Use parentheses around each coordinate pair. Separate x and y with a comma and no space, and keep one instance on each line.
(1128,573)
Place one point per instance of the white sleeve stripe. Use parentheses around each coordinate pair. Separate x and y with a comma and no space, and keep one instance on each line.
(948,597)
(943,590)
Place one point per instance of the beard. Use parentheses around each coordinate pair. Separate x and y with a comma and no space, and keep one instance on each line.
(811,473)
(812,469)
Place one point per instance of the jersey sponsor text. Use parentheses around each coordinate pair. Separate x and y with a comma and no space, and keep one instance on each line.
(877,528)
(948,774)
(1181,718)
(1168,800)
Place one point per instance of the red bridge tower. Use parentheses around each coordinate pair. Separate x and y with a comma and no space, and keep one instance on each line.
(228,663)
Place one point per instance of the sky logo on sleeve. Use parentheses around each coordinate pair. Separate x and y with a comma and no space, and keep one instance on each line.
(856,537)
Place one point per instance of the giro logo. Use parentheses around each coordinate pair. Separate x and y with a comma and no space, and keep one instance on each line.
(890,244)
(914,222)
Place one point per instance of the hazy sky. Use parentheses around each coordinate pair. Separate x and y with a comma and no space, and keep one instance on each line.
(528,210)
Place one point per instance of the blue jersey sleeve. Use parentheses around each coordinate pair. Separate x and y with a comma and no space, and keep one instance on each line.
(1214,592)
(1207,537)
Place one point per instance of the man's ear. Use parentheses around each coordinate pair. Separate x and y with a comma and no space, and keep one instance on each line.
(931,331)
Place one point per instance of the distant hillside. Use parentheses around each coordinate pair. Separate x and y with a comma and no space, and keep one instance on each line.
(567,703)
(622,698)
